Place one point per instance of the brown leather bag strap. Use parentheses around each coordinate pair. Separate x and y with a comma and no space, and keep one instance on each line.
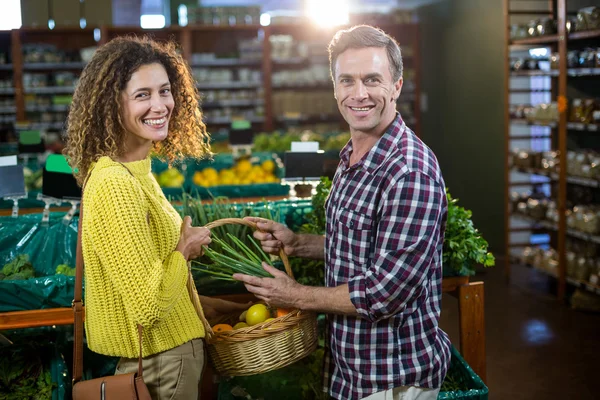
(78,307)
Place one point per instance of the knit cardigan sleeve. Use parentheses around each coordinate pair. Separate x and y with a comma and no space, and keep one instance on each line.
(121,238)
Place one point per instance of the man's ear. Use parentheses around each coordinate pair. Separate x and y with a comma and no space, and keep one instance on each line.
(397,89)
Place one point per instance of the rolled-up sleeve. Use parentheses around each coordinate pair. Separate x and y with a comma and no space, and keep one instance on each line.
(407,234)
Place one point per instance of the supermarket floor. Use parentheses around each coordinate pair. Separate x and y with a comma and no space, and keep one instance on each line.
(537,347)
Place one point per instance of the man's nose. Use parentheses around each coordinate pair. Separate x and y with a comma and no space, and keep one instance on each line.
(359,91)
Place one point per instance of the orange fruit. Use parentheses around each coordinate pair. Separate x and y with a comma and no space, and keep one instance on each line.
(222,328)
(282,311)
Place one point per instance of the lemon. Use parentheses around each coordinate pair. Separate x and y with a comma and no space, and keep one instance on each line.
(243,167)
(268,166)
(256,314)
(240,325)
(210,174)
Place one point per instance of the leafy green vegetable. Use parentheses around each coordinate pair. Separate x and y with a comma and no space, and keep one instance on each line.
(64,269)
(23,374)
(18,269)
(234,259)
(463,245)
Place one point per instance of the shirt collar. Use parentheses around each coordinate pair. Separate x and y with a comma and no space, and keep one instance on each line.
(380,151)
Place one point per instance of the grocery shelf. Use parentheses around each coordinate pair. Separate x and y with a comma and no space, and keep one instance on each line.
(43,125)
(304,85)
(232,103)
(547,39)
(576,180)
(521,121)
(226,62)
(7,91)
(534,72)
(590,287)
(526,137)
(575,72)
(585,34)
(554,227)
(49,108)
(50,90)
(53,66)
(228,120)
(227,85)
(576,126)
(8,110)
(6,67)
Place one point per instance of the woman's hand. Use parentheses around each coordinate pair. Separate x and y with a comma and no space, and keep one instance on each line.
(192,239)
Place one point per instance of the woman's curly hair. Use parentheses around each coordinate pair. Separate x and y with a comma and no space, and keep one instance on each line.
(95,126)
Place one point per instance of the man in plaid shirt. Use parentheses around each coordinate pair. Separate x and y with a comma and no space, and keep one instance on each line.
(386,216)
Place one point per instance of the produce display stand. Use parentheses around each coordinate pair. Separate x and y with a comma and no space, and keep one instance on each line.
(471,324)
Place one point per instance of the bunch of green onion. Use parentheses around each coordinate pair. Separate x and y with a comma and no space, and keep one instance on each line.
(231,259)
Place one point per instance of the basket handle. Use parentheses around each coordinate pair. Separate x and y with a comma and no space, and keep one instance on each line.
(240,221)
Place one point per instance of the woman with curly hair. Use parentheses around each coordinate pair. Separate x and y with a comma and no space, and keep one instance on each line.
(137,96)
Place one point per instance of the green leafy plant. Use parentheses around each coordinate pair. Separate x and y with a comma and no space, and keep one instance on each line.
(18,269)
(23,374)
(464,248)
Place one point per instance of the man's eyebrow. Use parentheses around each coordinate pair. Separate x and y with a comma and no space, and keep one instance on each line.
(373,75)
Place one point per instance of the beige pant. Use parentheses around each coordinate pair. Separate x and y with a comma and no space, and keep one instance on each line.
(173,374)
(405,393)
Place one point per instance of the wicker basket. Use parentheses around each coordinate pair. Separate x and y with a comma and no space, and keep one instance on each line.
(266,346)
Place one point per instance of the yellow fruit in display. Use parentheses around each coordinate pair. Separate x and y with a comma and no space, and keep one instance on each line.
(210,174)
(198,179)
(256,314)
(171,178)
(240,325)
(243,316)
(243,167)
(268,166)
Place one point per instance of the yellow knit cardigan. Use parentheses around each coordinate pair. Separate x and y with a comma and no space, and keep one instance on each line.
(132,272)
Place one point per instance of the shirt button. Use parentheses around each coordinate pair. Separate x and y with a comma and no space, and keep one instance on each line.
(351,224)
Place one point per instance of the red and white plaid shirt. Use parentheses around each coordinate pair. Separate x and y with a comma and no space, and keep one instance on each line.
(386,217)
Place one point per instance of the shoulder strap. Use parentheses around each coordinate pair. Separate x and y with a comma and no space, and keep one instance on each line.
(78,308)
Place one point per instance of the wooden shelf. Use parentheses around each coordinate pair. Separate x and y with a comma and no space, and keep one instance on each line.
(584,35)
(548,39)
(524,122)
(535,72)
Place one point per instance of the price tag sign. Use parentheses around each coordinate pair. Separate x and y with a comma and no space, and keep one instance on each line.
(12,181)
(59,181)
(241,133)
(31,142)
(304,165)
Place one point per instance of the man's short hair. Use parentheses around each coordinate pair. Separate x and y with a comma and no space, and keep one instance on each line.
(361,36)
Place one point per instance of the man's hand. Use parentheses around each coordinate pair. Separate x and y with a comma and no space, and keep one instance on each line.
(273,236)
(279,291)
